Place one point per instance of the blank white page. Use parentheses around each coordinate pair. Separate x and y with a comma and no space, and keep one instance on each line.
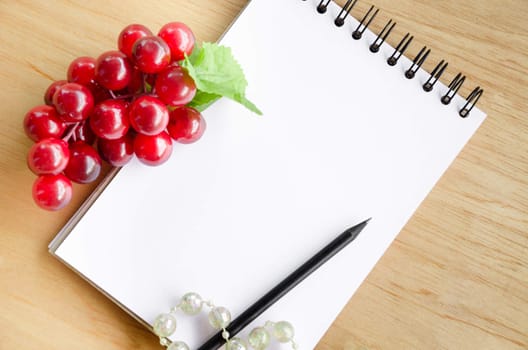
(344,137)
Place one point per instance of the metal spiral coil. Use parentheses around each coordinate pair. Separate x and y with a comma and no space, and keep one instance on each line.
(380,39)
(358,33)
(340,19)
(453,87)
(400,49)
(321,8)
(435,75)
(471,101)
(417,62)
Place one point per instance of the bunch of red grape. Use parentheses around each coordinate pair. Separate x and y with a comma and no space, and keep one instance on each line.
(126,102)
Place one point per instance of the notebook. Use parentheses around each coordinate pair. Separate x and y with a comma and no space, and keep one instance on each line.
(344,136)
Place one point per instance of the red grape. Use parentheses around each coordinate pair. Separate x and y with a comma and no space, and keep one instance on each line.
(48,95)
(129,35)
(175,87)
(73,102)
(82,71)
(136,82)
(84,165)
(186,124)
(117,152)
(148,115)
(153,150)
(101,99)
(151,54)
(42,122)
(99,93)
(113,71)
(48,156)
(109,119)
(180,39)
(52,192)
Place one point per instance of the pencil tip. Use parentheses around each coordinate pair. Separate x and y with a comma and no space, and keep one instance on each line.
(356,229)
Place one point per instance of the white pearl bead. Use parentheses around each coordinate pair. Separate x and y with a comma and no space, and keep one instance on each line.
(164,325)
(236,344)
(178,345)
(283,331)
(259,338)
(219,317)
(191,303)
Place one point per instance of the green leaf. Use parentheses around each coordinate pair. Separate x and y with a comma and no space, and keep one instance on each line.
(202,100)
(215,71)
(193,58)
(247,103)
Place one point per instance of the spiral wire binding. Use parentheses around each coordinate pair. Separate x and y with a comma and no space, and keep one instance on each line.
(340,19)
(375,46)
(321,8)
(435,75)
(358,33)
(400,49)
(471,101)
(418,61)
(453,88)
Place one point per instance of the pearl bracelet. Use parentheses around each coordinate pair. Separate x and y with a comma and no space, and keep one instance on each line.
(219,318)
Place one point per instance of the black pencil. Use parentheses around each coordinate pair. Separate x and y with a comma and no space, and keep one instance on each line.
(285,286)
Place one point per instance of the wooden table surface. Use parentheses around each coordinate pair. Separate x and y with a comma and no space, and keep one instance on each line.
(455,278)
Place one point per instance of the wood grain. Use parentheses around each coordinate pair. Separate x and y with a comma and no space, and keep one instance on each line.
(455,278)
